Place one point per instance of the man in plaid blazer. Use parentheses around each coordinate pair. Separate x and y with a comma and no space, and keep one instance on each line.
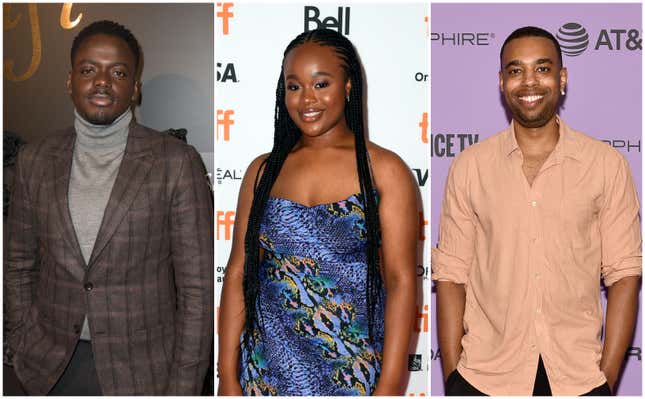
(109,262)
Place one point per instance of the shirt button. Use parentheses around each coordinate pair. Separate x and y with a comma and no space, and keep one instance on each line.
(537,275)
(88,286)
(538,310)
(533,204)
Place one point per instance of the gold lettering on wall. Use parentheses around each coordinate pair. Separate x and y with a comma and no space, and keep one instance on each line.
(6,17)
(65,15)
(36,47)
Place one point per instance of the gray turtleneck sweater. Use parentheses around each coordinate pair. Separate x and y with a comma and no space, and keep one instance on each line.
(98,151)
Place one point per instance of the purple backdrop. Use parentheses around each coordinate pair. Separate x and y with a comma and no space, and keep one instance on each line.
(603,95)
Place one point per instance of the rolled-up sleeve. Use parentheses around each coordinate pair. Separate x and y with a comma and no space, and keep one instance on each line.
(620,229)
(452,258)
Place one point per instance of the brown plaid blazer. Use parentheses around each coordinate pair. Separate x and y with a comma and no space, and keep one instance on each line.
(148,288)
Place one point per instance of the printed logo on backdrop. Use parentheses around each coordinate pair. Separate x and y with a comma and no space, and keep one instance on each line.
(574,39)
(224,122)
(415,362)
(423,222)
(219,272)
(421,175)
(450,144)
(625,145)
(422,319)
(422,271)
(338,22)
(225,220)
(633,353)
(224,12)
(435,354)
(223,175)
(426,20)
(226,73)
(421,77)
(424,128)
(465,39)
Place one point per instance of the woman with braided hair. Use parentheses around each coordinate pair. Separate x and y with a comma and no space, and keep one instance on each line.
(320,286)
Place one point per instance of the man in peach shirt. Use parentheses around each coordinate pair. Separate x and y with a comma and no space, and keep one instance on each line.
(532,218)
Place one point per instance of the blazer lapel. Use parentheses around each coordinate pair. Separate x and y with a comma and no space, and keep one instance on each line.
(135,166)
(62,168)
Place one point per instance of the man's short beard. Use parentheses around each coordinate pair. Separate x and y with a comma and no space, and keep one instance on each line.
(100,118)
(538,121)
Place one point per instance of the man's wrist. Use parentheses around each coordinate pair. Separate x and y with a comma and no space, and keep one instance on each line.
(448,368)
(610,376)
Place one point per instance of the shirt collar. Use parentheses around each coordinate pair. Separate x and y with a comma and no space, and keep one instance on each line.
(568,142)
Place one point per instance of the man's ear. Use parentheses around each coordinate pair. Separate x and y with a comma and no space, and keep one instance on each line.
(136,93)
(68,83)
(501,81)
(563,78)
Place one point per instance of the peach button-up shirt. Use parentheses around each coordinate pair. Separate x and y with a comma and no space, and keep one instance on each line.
(531,258)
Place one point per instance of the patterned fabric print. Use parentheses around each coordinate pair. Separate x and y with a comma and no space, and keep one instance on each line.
(346,208)
(312,303)
(254,384)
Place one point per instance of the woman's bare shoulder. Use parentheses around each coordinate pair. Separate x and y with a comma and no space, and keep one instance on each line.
(388,168)
(255,168)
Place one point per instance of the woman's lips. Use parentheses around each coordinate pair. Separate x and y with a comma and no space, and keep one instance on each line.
(310,115)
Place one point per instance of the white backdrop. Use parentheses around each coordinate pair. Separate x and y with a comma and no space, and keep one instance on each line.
(391,41)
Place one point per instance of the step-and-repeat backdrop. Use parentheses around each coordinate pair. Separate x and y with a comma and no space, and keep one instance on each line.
(602,49)
(391,41)
(177,78)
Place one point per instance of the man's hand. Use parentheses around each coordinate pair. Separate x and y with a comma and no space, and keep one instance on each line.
(622,302)
(451,303)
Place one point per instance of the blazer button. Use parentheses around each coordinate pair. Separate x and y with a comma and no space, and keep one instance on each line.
(77,329)
(88,286)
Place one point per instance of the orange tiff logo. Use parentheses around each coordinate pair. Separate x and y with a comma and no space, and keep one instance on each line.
(424,128)
(422,227)
(224,121)
(427,22)
(225,220)
(423,319)
(225,14)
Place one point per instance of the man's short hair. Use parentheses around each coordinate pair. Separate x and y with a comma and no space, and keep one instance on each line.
(110,28)
(531,31)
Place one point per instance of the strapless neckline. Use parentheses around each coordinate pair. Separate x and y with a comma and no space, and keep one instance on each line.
(358,196)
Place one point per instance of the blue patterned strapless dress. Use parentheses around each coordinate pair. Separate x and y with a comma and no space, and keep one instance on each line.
(313,278)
